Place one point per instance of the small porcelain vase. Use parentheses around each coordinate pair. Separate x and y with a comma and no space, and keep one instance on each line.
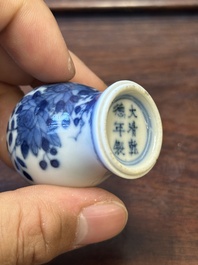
(73,135)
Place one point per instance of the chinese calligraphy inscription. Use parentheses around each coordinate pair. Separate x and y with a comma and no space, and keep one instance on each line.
(127,129)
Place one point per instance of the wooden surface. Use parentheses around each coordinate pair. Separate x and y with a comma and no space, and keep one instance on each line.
(114,4)
(159,51)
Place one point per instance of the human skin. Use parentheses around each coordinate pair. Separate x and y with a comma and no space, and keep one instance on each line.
(39,222)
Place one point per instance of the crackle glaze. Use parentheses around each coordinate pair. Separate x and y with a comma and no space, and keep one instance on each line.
(73,135)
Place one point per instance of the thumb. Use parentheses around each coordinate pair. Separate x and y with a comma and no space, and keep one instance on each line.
(41,222)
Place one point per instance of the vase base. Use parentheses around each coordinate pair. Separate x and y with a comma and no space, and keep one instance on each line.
(129,137)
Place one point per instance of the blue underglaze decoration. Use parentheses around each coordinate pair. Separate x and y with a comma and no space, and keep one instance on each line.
(132,145)
(40,114)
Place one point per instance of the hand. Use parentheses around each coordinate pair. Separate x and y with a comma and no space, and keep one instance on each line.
(40,222)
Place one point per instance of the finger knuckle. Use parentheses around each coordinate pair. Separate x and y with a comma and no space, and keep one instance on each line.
(35,242)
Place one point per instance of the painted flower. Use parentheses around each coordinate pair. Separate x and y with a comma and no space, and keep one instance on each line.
(41,113)
(30,129)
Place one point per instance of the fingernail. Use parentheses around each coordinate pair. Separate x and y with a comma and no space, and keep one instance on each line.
(100,222)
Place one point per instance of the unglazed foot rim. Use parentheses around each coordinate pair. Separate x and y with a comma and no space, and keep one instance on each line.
(128,162)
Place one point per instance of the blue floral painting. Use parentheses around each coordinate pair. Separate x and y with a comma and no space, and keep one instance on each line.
(40,114)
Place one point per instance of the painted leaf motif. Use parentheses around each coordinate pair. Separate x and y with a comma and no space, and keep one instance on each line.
(19,109)
(60,105)
(43,104)
(58,97)
(90,104)
(39,117)
(16,165)
(27,175)
(45,144)
(29,137)
(21,162)
(45,115)
(10,138)
(54,139)
(34,148)
(69,107)
(77,109)
(60,88)
(32,103)
(24,149)
(36,95)
(67,96)
(42,124)
(84,92)
(76,121)
(74,99)
(18,141)
(37,136)
(12,124)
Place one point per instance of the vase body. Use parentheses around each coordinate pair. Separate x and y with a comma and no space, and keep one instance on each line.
(72,135)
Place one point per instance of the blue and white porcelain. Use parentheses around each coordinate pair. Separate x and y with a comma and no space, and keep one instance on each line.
(73,135)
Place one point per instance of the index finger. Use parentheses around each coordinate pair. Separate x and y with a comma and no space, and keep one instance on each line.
(30,35)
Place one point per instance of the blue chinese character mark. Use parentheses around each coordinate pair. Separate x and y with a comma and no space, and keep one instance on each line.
(119,147)
(133,147)
(132,128)
(132,112)
(119,110)
(119,128)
